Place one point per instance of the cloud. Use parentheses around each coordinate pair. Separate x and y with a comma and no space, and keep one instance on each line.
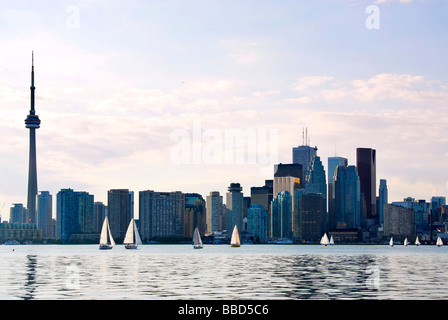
(311,81)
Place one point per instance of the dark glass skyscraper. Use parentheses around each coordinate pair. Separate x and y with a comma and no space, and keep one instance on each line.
(32,122)
(366,165)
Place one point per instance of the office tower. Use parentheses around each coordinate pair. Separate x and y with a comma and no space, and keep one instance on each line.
(398,222)
(281,216)
(257,223)
(437,202)
(421,213)
(194,214)
(261,196)
(312,223)
(333,163)
(74,213)
(17,213)
(100,210)
(120,211)
(161,214)
(303,154)
(287,177)
(214,212)
(315,181)
(366,165)
(32,122)
(346,212)
(45,213)
(234,207)
(86,207)
(382,200)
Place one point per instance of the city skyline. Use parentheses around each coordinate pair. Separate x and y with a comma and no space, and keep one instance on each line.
(112,93)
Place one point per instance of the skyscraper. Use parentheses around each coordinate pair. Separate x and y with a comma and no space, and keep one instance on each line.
(161,214)
(333,163)
(382,200)
(45,213)
(303,155)
(32,122)
(214,212)
(120,210)
(347,199)
(74,213)
(257,223)
(194,215)
(315,181)
(366,165)
(281,216)
(234,207)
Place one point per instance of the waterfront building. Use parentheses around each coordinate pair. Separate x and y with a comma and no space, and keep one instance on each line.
(346,212)
(120,211)
(17,213)
(281,216)
(315,181)
(382,200)
(214,212)
(398,222)
(20,232)
(312,217)
(194,216)
(45,214)
(421,213)
(333,163)
(366,165)
(161,214)
(257,223)
(303,155)
(100,212)
(234,207)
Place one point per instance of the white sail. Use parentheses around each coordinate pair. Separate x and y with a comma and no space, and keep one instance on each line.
(405,242)
(106,239)
(132,237)
(235,241)
(324,241)
(129,236)
(331,240)
(111,239)
(417,243)
(103,237)
(197,242)
(138,240)
(439,242)
(391,242)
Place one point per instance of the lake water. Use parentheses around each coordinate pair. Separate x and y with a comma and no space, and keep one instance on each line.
(220,272)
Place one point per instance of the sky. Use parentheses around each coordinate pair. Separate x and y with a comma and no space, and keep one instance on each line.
(146,95)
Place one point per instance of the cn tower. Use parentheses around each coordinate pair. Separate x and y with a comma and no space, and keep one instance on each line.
(32,122)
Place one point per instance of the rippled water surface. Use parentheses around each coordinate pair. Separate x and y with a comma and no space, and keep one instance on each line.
(222,272)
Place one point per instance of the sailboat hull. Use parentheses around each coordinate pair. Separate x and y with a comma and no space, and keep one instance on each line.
(197,246)
(235,245)
(105,247)
(131,246)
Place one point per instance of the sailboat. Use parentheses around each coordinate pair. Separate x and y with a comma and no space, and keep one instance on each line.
(197,242)
(106,239)
(417,243)
(331,241)
(391,242)
(324,241)
(439,242)
(405,242)
(235,241)
(132,238)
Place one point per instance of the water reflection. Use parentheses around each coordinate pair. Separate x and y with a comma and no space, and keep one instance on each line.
(223,274)
(30,284)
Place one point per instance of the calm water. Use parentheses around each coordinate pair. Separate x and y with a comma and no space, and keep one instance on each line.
(221,272)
